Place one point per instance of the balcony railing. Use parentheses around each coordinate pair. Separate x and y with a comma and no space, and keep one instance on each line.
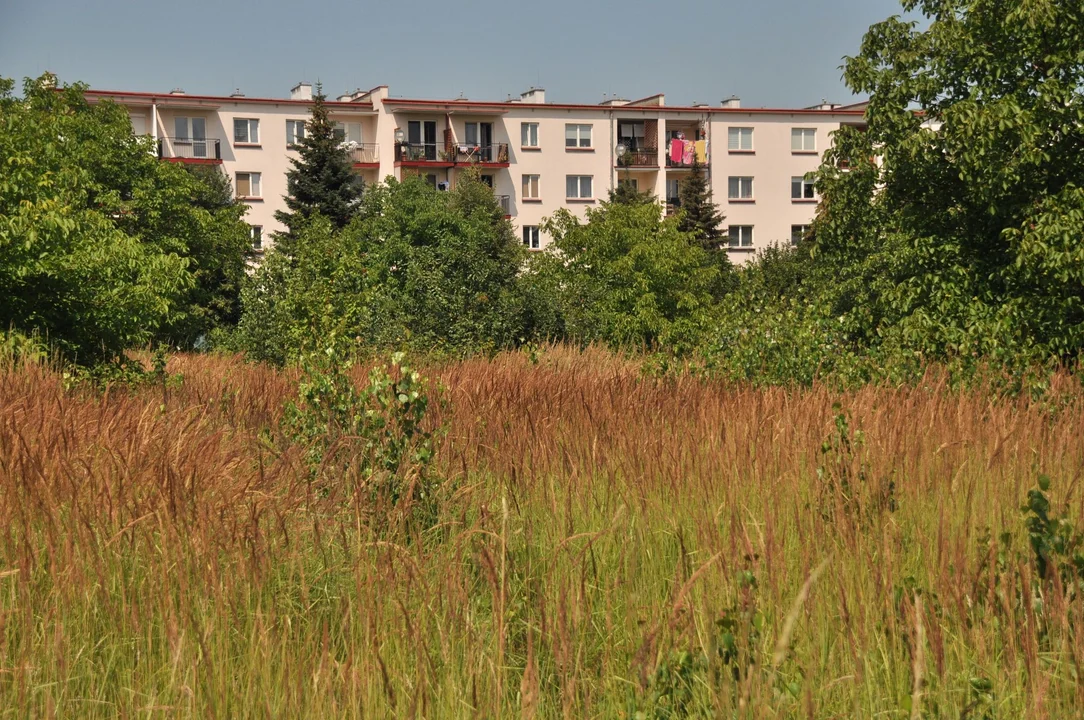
(505,201)
(639,158)
(673,204)
(362,153)
(417,152)
(189,148)
(471,153)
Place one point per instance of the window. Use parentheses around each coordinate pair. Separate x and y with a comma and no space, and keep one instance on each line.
(295,132)
(802,189)
(803,140)
(578,187)
(740,188)
(191,133)
(741,236)
(529,135)
(739,139)
(798,233)
(530,237)
(530,187)
(633,185)
(431,180)
(246,130)
(248,185)
(577,136)
(487,180)
(673,191)
(256,233)
(631,135)
(348,132)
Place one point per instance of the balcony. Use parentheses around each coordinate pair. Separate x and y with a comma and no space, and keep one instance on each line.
(193,150)
(685,155)
(495,154)
(505,201)
(421,153)
(363,154)
(639,158)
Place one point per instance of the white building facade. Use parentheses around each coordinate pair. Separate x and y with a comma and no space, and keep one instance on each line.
(538,156)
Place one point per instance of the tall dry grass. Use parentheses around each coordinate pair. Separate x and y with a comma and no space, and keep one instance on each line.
(608,544)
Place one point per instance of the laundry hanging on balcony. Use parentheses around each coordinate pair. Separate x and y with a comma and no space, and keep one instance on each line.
(677,151)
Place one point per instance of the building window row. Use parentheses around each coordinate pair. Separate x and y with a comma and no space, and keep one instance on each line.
(531,237)
(578,136)
(248,185)
(579,187)
(741,189)
(246,131)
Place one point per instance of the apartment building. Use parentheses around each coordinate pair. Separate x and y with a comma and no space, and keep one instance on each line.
(537,156)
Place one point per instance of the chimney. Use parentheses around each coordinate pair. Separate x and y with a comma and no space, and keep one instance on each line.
(732,102)
(301,91)
(536,96)
(177,91)
(345,98)
(699,104)
(237,93)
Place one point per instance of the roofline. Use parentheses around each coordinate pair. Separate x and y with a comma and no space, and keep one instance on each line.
(223,98)
(619,108)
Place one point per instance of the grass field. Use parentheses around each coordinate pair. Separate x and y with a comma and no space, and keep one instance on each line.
(606,546)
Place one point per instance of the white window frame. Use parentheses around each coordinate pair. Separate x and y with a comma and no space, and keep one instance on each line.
(805,187)
(803,140)
(252,131)
(800,231)
(531,187)
(743,238)
(343,134)
(292,136)
(528,134)
(531,237)
(255,235)
(578,136)
(737,138)
(258,184)
(739,187)
(579,182)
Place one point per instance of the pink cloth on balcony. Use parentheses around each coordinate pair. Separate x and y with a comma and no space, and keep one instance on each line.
(677,150)
(689,154)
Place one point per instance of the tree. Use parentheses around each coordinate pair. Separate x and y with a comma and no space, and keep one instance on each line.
(417,268)
(971,221)
(321,180)
(629,278)
(700,215)
(75,181)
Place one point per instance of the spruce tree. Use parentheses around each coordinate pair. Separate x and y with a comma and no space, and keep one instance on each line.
(322,179)
(700,214)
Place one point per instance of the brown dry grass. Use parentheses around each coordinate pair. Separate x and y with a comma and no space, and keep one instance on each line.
(159,558)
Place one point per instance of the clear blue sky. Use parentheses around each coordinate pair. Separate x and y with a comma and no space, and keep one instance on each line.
(769,52)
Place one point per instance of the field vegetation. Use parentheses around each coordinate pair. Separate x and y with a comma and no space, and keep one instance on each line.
(543,534)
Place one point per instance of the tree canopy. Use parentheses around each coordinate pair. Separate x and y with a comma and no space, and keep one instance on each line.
(102,246)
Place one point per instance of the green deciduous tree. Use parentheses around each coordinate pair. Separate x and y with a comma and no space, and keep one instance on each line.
(321,180)
(629,278)
(964,238)
(105,246)
(417,268)
(69,268)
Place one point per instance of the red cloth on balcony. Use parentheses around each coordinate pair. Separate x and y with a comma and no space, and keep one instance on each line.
(677,151)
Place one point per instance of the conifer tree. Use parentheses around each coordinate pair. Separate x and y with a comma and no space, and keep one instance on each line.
(700,214)
(321,180)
